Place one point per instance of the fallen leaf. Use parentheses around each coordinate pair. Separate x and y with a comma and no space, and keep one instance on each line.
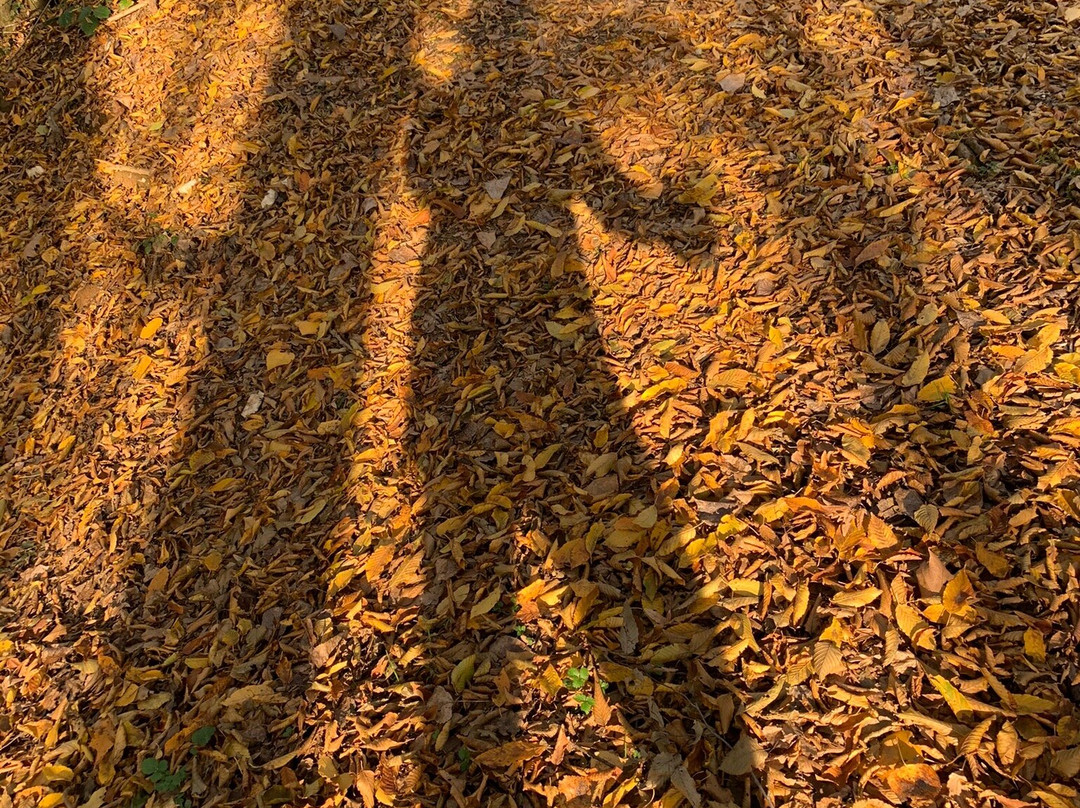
(510,754)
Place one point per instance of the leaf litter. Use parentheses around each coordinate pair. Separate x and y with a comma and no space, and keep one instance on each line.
(538,403)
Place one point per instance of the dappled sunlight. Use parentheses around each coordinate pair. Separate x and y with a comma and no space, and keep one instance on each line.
(176,141)
(440,52)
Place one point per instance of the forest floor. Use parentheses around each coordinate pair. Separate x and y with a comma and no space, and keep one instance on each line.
(541,403)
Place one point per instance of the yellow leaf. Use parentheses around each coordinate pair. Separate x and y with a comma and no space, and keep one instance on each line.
(311,512)
(938,390)
(1034,645)
(277,359)
(918,370)
(828,659)
(913,625)
(150,328)
(1034,361)
(562,331)
(855,598)
(772,511)
(549,681)
(57,773)
(702,192)
(463,673)
(892,210)
(746,587)
(142,367)
(855,450)
(1052,800)
(800,604)
(995,563)
(673,385)
(957,595)
(1030,705)
(486,605)
(956,700)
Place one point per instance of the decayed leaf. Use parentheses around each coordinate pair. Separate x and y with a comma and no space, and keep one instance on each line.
(732,82)
(628,632)
(871,252)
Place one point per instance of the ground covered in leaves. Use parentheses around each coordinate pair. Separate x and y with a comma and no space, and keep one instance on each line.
(541,403)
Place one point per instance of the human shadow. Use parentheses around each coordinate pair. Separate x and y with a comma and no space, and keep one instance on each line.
(168,487)
(526,548)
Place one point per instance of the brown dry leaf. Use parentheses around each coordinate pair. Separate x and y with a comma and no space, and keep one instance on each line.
(732,82)
(1006,744)
(510,754)
(932,574)
(871,252)
(681,779)
(880,336)
(745,756)
(734,379)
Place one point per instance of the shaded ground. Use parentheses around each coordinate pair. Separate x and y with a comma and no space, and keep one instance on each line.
(541,403)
